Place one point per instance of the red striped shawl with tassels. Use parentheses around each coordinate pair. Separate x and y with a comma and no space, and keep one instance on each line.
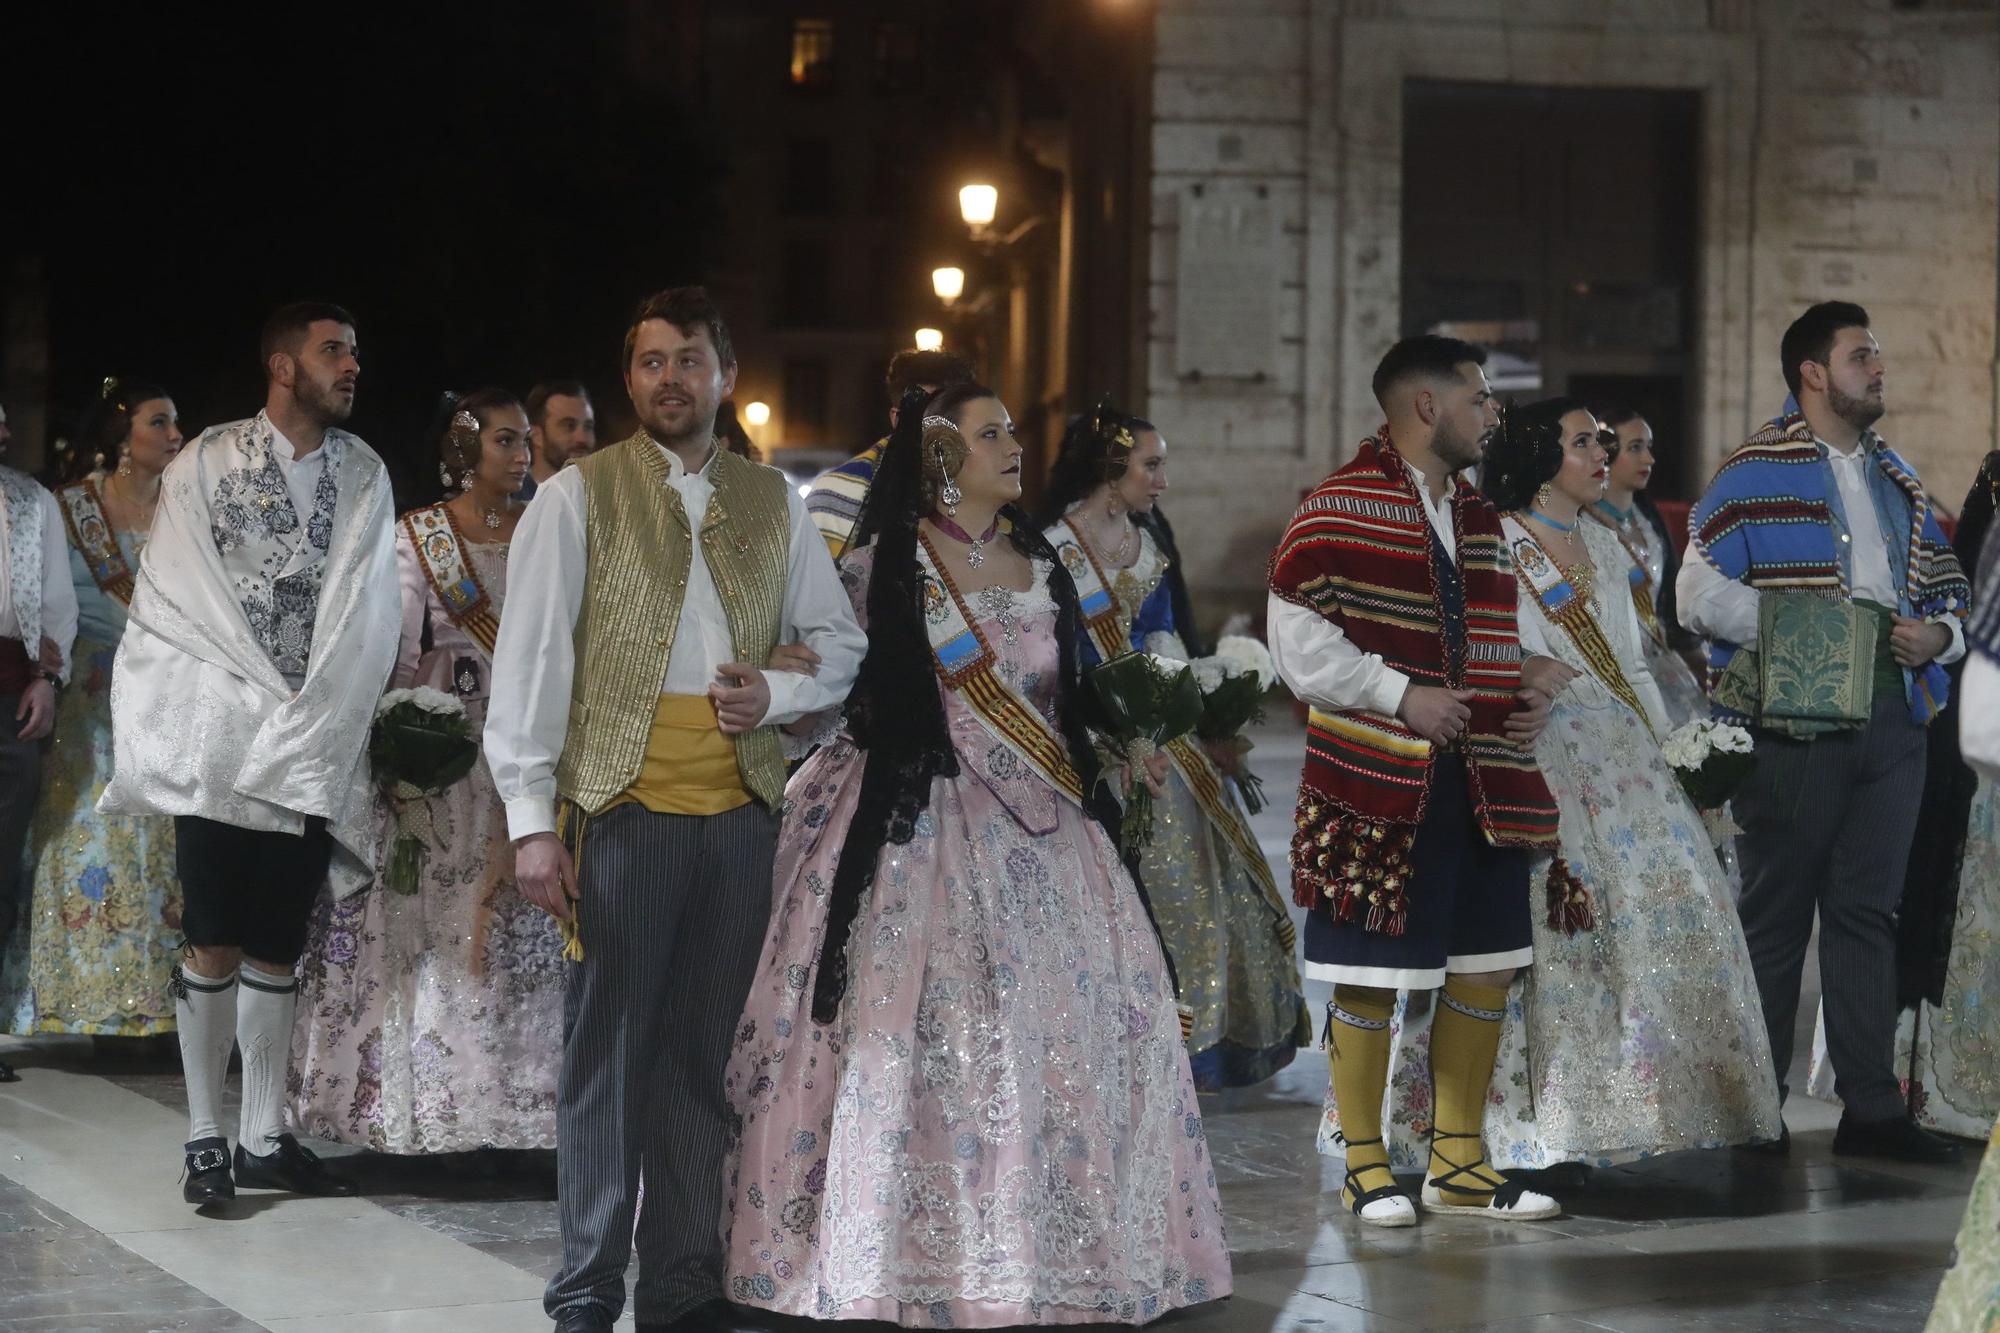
(1358,553)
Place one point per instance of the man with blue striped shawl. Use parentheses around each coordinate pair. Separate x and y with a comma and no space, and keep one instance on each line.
(1814,509)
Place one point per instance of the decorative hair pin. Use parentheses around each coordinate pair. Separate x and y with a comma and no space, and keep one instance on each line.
(464,433)
(110,387)
(1108,425)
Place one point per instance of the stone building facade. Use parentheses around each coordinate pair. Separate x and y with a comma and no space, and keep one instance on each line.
(1847,149)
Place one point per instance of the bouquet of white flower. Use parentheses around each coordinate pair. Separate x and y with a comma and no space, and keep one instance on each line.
(1711,759)
(1233,684)
(420,744)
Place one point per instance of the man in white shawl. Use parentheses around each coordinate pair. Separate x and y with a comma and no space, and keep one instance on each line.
(262,631)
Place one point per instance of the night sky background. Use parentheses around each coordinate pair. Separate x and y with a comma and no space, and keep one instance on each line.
(489,199)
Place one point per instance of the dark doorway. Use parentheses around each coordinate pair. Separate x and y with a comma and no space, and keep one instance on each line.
(1557,225)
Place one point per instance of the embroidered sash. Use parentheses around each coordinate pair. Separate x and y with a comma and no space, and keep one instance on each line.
(1566,605)
(1109,623)
(441,551)
(965,663)
(90,533)
(1640,577)
(24,553)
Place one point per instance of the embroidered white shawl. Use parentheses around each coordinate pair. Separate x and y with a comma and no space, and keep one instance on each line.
(203,721)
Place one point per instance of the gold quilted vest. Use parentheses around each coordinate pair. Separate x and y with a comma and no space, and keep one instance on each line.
(640,548)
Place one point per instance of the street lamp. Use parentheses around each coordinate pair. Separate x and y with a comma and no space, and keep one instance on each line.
(977,204)
(948,283)
(929,340)
(757,414)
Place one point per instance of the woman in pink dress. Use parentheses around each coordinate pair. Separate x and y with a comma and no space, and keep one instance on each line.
(963,1094)
(432,1022)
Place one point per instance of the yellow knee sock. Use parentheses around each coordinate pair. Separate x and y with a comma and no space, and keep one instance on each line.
(1358,1042)
(1465,1038)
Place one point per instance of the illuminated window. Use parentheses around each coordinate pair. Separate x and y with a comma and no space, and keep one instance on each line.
(812,53)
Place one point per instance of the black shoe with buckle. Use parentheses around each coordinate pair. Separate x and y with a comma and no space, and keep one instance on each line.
(206,1181)
(292,1168)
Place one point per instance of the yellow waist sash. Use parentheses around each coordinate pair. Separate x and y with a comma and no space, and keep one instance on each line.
(690,766)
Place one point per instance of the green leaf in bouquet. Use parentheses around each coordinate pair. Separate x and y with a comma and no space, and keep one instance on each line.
(1180,706)
(1230,707)
(417,754)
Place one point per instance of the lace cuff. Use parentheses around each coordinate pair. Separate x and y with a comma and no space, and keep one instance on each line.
(827,725)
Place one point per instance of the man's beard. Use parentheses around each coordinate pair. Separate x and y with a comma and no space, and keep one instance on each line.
(699,430)
(1860,413)
(1456,451)
(325,406)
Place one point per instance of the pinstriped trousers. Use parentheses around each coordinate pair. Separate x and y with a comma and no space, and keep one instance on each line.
(672,911)
(1827,825)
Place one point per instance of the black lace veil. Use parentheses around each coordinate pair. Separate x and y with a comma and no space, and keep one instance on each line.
(895,712)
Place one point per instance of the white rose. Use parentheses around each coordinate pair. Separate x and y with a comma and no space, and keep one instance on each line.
(1165,643)
(1245,656)
(1731,739)
(1209,673)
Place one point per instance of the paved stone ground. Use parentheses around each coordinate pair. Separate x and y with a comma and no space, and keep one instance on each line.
(93,1234)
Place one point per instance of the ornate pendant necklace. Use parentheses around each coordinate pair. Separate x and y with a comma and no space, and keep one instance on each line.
(1123,550)
(493,520)
(975,555)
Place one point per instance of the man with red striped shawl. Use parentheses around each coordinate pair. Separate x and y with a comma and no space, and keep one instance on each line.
(1392,614)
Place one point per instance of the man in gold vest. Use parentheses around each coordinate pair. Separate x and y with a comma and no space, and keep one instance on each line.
(636,748)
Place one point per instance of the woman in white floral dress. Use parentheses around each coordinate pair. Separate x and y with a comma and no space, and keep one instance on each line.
(432,1022)
(1641,1034)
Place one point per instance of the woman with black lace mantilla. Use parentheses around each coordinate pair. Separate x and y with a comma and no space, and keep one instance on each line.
(963,1097)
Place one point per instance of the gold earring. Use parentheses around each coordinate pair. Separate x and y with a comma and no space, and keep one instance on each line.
(125,464)
(1542,495)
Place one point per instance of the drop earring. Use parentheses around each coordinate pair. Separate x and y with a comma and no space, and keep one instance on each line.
(951,495)
(1542,496)
(124,465)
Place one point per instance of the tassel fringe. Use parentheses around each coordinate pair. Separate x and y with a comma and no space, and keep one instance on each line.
(1570,905)
(1351,866)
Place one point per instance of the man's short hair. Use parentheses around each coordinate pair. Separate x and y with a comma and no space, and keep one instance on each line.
(288,325)
(1425,356)
(537,403)
(913,368)
(687,309)
(1812,336)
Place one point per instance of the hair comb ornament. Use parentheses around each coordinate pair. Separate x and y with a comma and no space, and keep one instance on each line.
(464,420)
(109,388)
(944,448)
(1110,426)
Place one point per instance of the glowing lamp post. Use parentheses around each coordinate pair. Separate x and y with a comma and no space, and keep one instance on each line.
(948,283)
(978,204)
